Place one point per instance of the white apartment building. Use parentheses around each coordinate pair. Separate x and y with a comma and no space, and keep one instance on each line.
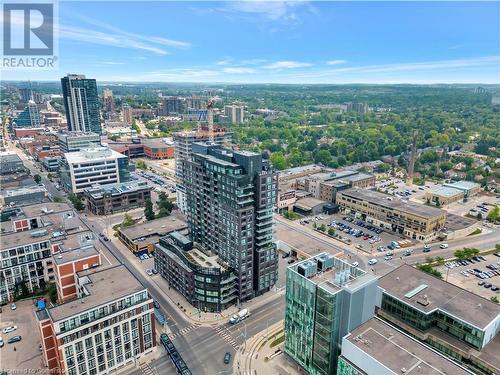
(236,113)
(93,166)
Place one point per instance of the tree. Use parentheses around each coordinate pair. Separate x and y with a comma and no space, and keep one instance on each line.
(278,160)
(52,291)
(141,164)
(494,215)
(494,299)
(76,201)
(331,232)
(164,204)
(322,227)
(427,268)
(127,221)
(148,210)
(37,178)
(439,261)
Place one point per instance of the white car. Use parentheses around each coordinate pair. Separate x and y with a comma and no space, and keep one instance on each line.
(443,246)
(13,306)
(373,261)
(1,343)
(149,272)
(9,329)
(355,264)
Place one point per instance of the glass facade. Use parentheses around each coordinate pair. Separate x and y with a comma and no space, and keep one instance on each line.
(345,368)
(417,319)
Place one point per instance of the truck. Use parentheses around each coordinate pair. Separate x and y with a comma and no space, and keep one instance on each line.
(241,315)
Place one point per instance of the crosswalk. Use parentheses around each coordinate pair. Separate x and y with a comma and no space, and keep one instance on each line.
(183,331)
(224,333)
(147,370)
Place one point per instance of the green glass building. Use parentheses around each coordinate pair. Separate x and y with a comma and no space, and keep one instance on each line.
(325,299)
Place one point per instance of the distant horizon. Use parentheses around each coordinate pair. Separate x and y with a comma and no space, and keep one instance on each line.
(276,42)
(104,82)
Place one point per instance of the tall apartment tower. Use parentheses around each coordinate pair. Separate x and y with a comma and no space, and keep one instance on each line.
(127,114)
(29,117)
(81,103)
(183,144)
(109,102)
(236,113)
(231,196)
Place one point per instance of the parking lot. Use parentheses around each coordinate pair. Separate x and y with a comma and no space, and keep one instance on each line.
(361,235)
(480,203)
(24,355)
(480,275)
(397,187)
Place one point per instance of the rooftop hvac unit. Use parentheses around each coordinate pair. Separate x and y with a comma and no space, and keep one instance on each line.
(39,233)
(307,268)
(325,262)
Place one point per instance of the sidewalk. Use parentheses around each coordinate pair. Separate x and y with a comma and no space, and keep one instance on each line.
(263,354)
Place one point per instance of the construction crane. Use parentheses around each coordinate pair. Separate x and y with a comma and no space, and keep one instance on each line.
(210,117)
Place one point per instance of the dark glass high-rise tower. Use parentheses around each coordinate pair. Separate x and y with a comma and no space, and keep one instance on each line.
(230,200)
(81,103)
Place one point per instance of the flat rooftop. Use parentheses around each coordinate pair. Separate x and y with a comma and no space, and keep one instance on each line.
(104,286)
(159,227)
(204,260)
(98,191)
(44,209)
(445,191)
(391,202)
(456,222)
(427,294)
(308,202)
(89,155)
(463,185)
(23,190)
(327,278)
(396,350)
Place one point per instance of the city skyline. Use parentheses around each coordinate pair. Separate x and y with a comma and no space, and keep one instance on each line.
(291,42)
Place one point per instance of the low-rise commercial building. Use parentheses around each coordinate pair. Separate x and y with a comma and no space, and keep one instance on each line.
(77,140)
(207,282)
(158,149)
(110,325)
(309,206)
(376,347)
(326,298)
(455,321)
(23,195)
(108,199)
(326,184)
(10,163)
(410,219)
(452,192)
(87,167)
(142,237)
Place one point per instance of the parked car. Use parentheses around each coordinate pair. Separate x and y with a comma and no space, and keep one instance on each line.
(443,246)
(487,285)
(373,261)
(14,339)
(9,329)
(149,272)
(1,343)
(13,306)
(227,358)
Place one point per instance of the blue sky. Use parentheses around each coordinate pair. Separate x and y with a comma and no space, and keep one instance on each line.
(285,42)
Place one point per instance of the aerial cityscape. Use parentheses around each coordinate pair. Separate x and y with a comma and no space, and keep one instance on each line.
(250,188)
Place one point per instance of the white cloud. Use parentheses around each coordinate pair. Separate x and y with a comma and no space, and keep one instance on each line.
(238,70)
(225,61)
(336,62)
(287,64)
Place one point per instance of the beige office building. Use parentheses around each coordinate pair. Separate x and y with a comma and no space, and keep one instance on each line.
(409,219)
